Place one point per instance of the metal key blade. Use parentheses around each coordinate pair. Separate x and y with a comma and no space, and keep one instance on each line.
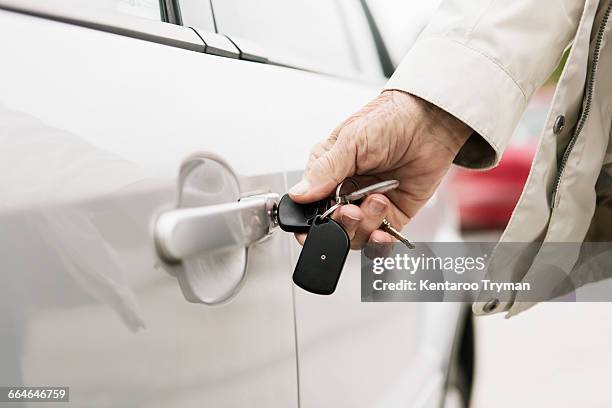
(389,229)
(379,188)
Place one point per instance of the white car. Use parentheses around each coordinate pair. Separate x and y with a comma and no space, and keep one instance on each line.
(142,145)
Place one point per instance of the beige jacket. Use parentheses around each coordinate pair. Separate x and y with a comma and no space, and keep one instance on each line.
(482,60)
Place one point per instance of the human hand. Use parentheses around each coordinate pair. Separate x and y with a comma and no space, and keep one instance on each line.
(396,136)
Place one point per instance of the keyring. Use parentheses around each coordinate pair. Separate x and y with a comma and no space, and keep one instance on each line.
(331,209)
(339,201)
(339,189)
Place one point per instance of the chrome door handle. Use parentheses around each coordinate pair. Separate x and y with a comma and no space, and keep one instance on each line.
(186,232)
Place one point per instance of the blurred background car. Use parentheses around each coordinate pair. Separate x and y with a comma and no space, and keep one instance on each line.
(487,198)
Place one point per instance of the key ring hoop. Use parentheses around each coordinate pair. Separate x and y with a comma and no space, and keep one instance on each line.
(339,201)
(330,210)
(339,189)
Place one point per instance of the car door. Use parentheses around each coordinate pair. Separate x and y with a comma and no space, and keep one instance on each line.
(100,110)
(106,110)
(351,354)
(112,119)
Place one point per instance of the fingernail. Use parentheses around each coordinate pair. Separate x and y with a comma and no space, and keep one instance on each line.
(349,221)
(300,188)
(377,206)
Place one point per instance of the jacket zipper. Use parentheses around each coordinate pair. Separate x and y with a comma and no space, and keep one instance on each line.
(587,104)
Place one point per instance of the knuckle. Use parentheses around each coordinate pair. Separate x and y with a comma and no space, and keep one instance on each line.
(332,165)
(317,151)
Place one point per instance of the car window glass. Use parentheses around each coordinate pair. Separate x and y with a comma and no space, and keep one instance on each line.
(149,9)
(401,22)
(197,13)
(305,33)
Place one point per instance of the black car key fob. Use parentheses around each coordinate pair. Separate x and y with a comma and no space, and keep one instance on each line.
(321,261)
(294,217)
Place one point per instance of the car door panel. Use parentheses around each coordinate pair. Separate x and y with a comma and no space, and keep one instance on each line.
(354,354)
(103,123)
(97,312)
(100,126)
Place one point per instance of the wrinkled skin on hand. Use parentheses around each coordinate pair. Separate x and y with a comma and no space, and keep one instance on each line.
(396,136)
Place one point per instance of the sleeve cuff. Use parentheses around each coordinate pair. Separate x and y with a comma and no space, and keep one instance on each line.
(469,85)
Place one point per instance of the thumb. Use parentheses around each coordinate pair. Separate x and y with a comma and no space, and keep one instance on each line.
(323,175)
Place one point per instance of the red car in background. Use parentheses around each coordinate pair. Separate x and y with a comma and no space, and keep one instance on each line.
(487,198)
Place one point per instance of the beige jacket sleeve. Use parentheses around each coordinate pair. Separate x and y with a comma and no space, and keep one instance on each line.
(481,61)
